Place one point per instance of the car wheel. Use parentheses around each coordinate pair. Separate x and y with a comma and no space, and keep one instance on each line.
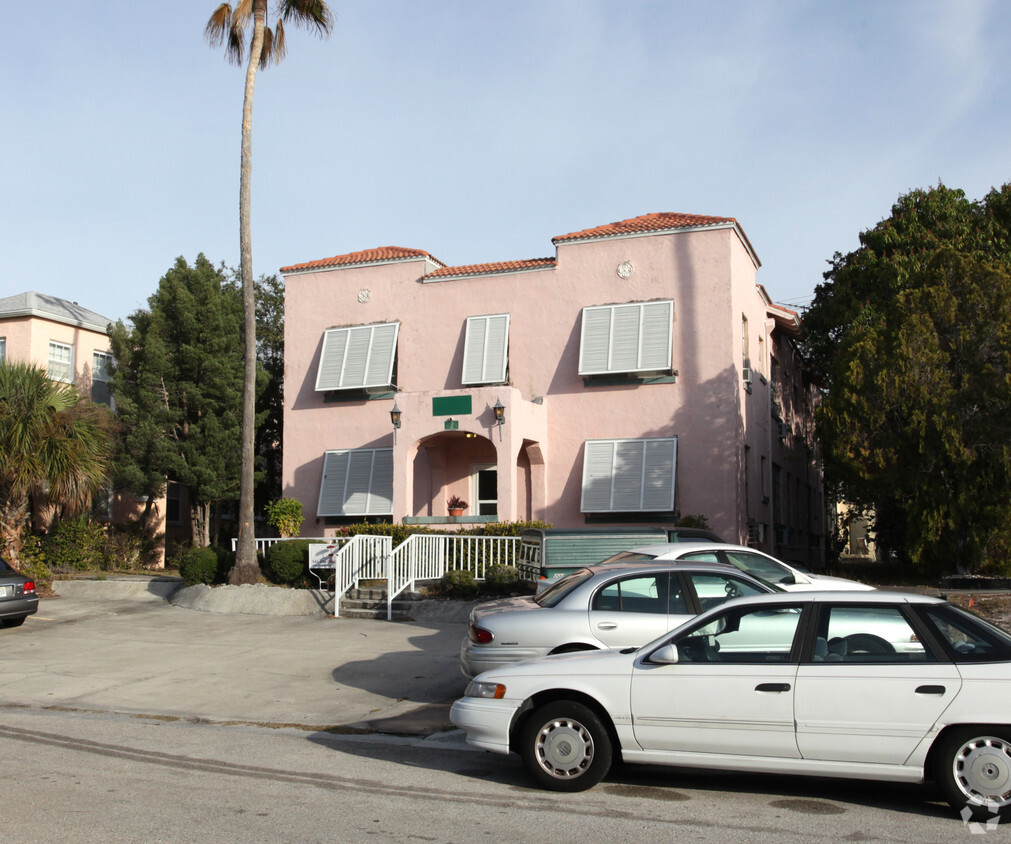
(974,772)
(14,622)
(868,643)
(565,746)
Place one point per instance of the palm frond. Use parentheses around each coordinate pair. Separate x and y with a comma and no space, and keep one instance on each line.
(308,13)
(223,28)
(274,45)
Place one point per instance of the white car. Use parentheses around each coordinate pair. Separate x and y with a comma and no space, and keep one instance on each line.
(599,607)
(746,559)
(756,685)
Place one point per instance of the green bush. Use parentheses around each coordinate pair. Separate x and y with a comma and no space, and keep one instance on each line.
(501,580)
(285,514)
(33,562)
(75,545)
(287,562)
(203,565)
(458,583)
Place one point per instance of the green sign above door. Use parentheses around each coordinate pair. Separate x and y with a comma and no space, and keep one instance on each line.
(451,406)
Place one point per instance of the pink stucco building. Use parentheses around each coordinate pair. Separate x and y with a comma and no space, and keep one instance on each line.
(640,374)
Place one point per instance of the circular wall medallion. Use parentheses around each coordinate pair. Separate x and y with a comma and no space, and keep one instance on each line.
(624,269)
(364,295)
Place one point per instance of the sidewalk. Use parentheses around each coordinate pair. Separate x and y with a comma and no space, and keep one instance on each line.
(250,654)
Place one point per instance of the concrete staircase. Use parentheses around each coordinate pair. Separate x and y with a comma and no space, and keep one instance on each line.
(371,603)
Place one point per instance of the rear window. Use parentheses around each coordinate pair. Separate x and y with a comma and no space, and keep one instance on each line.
(562,587)
(628,557)
(969,637)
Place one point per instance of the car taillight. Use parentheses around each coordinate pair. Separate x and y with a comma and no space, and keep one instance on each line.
(29,586)
(480,636)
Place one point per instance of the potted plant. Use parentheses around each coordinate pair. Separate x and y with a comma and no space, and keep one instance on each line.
(456,505)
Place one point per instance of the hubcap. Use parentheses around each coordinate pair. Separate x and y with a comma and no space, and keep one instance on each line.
(982,769)
(564,748)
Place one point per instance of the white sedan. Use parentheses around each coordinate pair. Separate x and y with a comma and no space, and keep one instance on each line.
(755,685)
(746,559)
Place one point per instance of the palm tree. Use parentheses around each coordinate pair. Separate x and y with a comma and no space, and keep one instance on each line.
(228,26)
(51,441)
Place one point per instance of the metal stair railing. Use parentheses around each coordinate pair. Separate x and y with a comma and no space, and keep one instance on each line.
(362,558)
(429,556)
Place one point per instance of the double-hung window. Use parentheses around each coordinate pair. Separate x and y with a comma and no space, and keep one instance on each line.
(357,482)
(61,361)
(636,337)
(486,349)
(358,357)
(629,475)
(100,391)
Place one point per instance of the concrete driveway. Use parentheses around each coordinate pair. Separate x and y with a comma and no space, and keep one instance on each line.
(138,647)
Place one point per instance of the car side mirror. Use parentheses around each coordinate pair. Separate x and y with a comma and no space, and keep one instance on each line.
(789,580)
(666,655)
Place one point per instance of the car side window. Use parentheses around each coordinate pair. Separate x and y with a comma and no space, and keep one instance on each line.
(641,593)
(701,557)
(743,635)
(713,589)
(969,638)
(867,634)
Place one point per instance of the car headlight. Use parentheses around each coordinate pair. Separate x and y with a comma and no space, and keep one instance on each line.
(479,689)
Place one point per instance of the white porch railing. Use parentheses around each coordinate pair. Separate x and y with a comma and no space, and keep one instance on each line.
(429,556)
(263,543)
(362,558)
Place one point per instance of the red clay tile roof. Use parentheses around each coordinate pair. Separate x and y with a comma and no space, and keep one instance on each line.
(489,269)
(383,253)
(646,223)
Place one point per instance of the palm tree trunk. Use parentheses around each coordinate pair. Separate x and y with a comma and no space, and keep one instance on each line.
(246,569)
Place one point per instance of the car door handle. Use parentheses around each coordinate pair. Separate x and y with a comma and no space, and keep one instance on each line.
(772,687)
(930,690)
(607,625)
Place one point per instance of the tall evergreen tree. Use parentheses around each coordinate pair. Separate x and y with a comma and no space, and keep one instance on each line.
(911,333)
(178,382)
(228,26)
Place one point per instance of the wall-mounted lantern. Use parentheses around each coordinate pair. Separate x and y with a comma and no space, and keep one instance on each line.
(395,419)
(499,409)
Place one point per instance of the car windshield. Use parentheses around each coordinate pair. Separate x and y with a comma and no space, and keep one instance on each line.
(562,587)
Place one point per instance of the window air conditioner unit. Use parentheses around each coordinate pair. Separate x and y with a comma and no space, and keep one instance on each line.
(747,375)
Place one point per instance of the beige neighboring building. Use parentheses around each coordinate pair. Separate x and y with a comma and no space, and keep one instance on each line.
(72,344)
(639,374)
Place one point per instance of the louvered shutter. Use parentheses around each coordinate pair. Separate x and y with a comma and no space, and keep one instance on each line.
(629,476)
(357,482)
(486,349)
(636,337)
(357,357)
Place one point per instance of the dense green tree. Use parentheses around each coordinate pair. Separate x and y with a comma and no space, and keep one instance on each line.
(54,446)
(228,25)
(178,382)
(911,334)
(270,400)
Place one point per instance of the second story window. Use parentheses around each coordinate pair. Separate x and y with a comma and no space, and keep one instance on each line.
(358,357)
(3,349)
(486,349)
(61,361)
(100,391)
(626,338)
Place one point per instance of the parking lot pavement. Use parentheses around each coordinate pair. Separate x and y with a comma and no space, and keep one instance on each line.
(110,647)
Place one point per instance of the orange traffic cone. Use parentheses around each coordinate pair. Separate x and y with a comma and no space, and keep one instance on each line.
(972,603)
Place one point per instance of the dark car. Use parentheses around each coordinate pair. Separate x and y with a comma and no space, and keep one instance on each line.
(17,596)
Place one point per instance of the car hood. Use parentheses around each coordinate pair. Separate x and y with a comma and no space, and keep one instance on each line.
(524,602)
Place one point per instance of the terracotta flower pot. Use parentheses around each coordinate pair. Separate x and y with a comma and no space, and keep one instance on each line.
(458,511)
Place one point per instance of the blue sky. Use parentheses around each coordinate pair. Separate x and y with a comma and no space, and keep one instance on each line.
(479,129)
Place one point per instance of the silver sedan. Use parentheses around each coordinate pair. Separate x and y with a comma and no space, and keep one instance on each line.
(612,606)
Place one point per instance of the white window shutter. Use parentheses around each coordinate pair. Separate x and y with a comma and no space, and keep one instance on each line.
(357,357)
(357,482)
(629,476)
(636,337)
(486,349)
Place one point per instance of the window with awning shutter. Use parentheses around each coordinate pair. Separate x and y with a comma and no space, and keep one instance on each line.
(629,475)
(357,357)
(636,337)
(486,349)
(357,482)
